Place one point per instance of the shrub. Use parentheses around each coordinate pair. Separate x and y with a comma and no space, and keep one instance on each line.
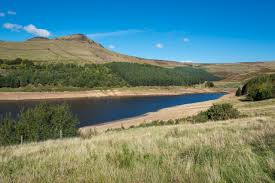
(199,118)
(244,89)
(222,112)
(239,92)
(42,122)
(260,91)
(216,112)
(260,88)
(7,130)
(209,84)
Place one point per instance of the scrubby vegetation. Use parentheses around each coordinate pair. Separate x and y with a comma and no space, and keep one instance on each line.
(228,151)
(239,92)
(23,73)
(217,112)
(209,84)
(42,122)
(260,88)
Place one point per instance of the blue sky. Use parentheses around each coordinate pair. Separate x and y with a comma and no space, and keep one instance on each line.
(197,30)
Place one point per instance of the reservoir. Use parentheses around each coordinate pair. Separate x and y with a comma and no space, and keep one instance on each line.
(92,111)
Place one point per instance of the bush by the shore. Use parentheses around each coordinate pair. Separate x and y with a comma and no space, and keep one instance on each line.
(209,84)
(40,123)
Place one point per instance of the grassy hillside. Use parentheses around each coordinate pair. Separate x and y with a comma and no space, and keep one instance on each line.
(238,150)
(236,72)
(68,49)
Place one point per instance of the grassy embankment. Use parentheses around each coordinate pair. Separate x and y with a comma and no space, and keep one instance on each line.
(237,150)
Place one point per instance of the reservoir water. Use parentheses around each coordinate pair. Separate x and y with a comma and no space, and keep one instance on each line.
(100,110)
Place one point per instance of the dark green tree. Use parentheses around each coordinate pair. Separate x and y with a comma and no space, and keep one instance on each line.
(209,84)
(239,92)
(8,130)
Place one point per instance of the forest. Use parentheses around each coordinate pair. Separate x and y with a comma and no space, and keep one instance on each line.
(21,73)
(148,75)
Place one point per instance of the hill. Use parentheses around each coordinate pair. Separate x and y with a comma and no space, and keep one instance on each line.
(239,71)
(76,48)
(79,49)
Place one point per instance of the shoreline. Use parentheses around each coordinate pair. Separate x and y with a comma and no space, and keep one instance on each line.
(173,113)
(121,92)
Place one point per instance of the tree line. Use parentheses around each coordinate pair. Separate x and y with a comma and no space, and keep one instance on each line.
(149,75)
(20,73)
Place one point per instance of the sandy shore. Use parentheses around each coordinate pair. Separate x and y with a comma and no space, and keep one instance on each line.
(163,114)
(123,92)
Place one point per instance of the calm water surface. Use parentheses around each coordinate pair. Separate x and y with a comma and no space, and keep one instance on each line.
(96,111)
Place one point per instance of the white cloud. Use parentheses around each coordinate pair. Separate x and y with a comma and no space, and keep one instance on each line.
(115,33)
(159,45)
(12,27)
(11,12)
(2,14)
(186,40)
(37,32)
(29,28)
(112,46)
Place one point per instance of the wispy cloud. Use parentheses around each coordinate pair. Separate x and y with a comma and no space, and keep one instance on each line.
(159,45)
(111,46)
(12,27)
(2,14)
(186,40)
(36,31)
(11,12)
(114,33)
(32,29)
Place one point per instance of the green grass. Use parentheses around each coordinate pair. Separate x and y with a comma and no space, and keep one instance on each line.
(237,150)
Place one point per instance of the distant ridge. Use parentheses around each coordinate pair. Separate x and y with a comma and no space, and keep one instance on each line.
(38,39)
(74,37)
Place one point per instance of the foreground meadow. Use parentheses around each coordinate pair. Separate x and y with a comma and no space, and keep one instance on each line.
(237,150)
